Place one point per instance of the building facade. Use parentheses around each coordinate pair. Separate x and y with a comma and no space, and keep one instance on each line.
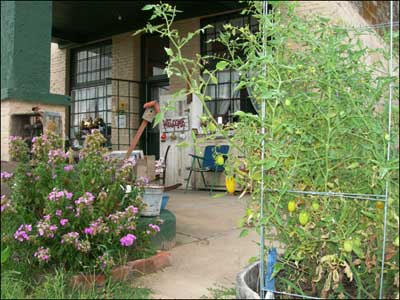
(96,71)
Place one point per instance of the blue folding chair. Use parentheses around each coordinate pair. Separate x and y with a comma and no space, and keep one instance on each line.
(207,163)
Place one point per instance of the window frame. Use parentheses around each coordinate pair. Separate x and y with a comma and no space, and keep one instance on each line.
(104,48)
(242,99)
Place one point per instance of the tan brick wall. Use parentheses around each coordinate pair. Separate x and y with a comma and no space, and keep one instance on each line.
(58,70)
(126,63)
(10,107)
(190,50)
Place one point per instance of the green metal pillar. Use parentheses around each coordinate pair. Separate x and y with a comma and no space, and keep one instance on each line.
(25,52)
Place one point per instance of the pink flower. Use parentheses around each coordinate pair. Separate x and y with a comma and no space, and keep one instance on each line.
(46,217)
(63,222)
(6,175)
(156,228)
(68,168)
(58,212)
(127,240)
(13,138)
(21,234)
(68,195)
(132,209)
(42,254)
(88,230)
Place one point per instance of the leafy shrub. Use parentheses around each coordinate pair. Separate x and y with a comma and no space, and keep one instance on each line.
(76,215)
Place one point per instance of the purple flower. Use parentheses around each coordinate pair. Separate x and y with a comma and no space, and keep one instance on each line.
(68,168)
(87,199)
(127,240)
(63,222)
(58,212)
(156,228)
(6,175)
(88,230)
(46,217)
(13,138)
(132,209)
(53,227)
(56,195)
(42,254)
(68,195)
(21,234)
(33,139)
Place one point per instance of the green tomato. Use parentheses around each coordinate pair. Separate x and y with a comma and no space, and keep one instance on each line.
(396,241)
(303,218)
(315,206)
(212,127)
(348,245)
(291,206)
(219,160)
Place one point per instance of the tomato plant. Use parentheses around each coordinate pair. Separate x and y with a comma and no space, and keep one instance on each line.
(325,130)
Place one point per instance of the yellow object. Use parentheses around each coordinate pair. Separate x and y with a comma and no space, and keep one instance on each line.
(291,206)
(230,184)
(380,205)
(219,160)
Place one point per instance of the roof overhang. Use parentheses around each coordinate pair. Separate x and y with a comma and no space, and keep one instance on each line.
(86,21)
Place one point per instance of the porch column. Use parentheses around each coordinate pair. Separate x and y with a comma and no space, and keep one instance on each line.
(25,64)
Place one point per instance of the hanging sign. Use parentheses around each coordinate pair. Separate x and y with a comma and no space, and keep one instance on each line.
(175,124)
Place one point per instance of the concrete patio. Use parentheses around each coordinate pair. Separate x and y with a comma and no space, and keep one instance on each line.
(209,250)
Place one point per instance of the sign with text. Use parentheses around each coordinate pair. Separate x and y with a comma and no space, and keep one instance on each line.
(175,124)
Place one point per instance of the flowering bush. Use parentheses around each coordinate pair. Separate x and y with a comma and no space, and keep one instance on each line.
(73,214)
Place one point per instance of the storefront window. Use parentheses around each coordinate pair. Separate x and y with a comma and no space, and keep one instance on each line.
(90,92)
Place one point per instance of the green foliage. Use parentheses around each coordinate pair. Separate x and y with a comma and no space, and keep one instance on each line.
(325,130)
(56,286)
(72,214)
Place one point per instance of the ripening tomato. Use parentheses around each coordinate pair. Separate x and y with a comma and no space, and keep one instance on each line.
(291,206)
(380,205)
(230,184)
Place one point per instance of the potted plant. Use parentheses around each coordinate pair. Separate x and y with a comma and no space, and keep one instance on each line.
(324,133)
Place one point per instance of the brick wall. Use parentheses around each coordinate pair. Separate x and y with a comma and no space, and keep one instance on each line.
(58,70)
(376,12)
(10,107)
(126,63)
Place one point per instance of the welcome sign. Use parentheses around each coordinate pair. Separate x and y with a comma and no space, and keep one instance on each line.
(175,124)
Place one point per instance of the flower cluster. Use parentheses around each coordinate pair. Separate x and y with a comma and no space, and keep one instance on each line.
(56,156)
(96,227)
(5,203)
(21,234)
(105,261)
(6,175)
(86,199)
(18,149)
(68,168)
(70,238)
(127,240)
(156,228)
(63,222)
(125,173)
(55,195)
(46,229)
(42,254)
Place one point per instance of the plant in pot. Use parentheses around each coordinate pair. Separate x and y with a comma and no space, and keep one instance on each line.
(324,131)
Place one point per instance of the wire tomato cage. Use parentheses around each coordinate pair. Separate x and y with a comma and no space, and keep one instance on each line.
(266,292)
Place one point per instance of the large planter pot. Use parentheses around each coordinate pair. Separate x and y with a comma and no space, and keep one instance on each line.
(152,197)
(247,282)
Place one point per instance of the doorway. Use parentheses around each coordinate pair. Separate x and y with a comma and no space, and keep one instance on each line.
(157,84)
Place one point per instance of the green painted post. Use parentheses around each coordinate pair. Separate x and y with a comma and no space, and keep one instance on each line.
(25,51)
